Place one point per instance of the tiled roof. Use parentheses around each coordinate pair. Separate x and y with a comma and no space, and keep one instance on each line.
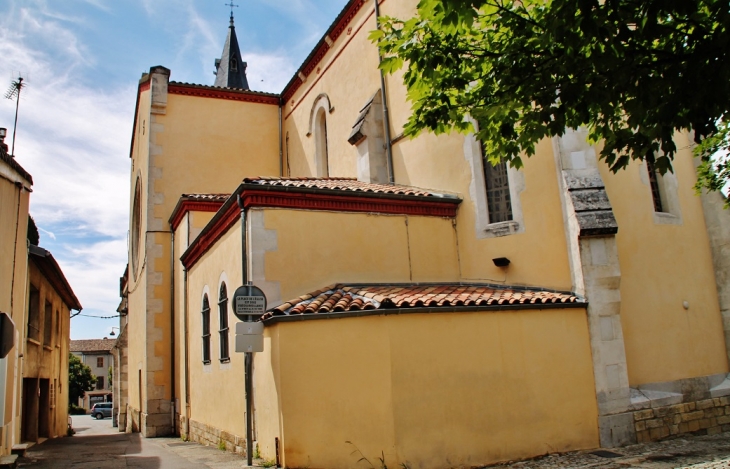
(343,184)
(93,345)
(225,88)
(349,298)
(207,197)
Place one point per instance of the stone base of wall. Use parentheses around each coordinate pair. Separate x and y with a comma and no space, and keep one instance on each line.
(211,436)
(133,420)
(705,417)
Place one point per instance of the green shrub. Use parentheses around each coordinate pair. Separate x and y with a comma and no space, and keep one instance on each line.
(76,410)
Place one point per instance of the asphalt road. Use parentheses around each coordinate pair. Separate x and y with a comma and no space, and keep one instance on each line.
(98,445)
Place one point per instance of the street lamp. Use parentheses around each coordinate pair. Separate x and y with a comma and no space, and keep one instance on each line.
(112,332)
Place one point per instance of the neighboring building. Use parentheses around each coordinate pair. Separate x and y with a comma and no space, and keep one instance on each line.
(475,314)
(45,361)
(15,189)
(97,355)
(38,298)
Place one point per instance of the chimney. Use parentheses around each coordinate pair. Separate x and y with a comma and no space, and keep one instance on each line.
(3,133)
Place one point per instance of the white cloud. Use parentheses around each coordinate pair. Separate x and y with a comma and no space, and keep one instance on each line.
(74,140)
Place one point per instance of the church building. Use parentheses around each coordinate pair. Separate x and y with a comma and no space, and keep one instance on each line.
(424,306)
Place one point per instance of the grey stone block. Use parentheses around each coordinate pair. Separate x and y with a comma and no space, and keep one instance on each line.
(590,200)
(617,430)
(597,223)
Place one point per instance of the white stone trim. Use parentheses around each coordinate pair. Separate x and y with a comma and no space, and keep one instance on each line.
(478,194)
(262,241)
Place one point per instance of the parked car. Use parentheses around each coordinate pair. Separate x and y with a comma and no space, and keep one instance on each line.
(102,410)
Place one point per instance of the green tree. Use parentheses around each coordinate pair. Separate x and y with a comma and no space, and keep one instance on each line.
(632,71)
(110,375)
(80,379)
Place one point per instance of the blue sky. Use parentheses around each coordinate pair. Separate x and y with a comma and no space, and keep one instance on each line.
(83,60)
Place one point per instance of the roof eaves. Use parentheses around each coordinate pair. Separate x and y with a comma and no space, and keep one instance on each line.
(421,310)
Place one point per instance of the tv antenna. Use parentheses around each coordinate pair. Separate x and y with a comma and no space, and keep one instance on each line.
(16,86)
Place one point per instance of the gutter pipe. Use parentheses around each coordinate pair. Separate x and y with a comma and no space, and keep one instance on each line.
(386,115)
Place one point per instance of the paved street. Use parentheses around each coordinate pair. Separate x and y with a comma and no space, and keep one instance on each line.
(98,445)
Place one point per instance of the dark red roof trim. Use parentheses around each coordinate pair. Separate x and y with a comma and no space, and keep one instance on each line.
(185,206)
(144,86)
(221,93)
(350,13)
(347,203)
(316,56)
(311,201)
(208,237)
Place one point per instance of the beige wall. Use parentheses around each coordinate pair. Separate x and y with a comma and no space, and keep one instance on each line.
(663,265)
(221,263)
(49,360)
(14,203)
(429,390)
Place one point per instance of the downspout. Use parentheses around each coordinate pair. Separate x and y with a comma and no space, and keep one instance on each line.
(248,374)
(186,423)
(281,149)
(172,331)
(386,115)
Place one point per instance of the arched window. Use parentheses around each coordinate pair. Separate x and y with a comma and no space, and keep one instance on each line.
(136,228)
(320,135)
(223,322)
(234,64)
(206,330)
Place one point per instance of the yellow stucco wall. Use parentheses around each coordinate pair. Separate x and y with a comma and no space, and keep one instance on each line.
(356,247)
(349,76)
(223,262)
(663,265)
(433,390)
(220,142)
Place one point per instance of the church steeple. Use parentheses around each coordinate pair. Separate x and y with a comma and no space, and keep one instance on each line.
(230,69)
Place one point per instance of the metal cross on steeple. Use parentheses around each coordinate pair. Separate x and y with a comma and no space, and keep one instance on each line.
(231,5)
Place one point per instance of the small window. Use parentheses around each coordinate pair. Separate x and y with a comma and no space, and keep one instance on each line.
(48,324)
(34,314)
(223,322)
(656,190)
(234,64)
(100,362)
(99,382)
(499,204)
(206,330)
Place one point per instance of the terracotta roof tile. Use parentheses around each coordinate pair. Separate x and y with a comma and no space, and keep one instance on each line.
(207,197)
(344,184)
(343,298)
(93,345)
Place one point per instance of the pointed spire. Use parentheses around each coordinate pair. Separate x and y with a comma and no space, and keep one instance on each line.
(230,68)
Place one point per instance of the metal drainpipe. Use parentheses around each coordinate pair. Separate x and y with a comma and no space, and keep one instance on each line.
(386,115)
(15,247)
(172,331)
(281,149)
(249,356)
(186,427)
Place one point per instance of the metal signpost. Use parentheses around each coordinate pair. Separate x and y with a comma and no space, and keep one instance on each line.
(249,304)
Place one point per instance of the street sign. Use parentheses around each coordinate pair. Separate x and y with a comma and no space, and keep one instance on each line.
(249,343)
(249,301)
(249,328)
